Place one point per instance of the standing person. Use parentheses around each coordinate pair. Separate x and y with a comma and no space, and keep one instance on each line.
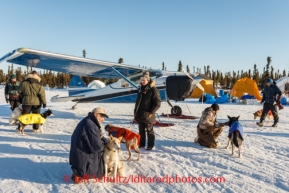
(12,89)
(33,95)
(208,128)
(271,98)
(147,103)
(87,144)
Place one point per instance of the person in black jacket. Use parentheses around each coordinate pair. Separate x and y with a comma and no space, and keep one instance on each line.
(12,89)
(271,98)
(87,144)
(147,103)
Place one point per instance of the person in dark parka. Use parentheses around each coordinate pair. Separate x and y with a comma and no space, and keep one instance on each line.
(12,88)
(271,98)
(147,103)
(33,96)
(87,144)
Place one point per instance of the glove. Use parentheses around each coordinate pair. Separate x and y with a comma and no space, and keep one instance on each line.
(216,124)
(105,141)
(226,123)
(278,99)
(7,100)
(44,106)
(150,115)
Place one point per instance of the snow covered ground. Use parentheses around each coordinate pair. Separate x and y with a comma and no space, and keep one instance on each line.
(39,162)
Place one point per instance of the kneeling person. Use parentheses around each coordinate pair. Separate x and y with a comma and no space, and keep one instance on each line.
(208,128)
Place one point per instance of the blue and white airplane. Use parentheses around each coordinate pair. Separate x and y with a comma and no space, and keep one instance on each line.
(122,91)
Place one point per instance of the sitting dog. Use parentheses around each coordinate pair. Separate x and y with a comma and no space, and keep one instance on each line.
(15,114)
(130,138)
(235,134)
(27,119)
(111,157)
(259,113)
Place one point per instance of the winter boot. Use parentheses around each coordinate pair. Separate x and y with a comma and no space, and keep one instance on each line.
(260,124)
(196,139)
(275,125)
(76,179)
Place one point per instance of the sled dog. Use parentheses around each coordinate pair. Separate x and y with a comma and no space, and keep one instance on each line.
(111,157)
(15,114)
(259,113)
(27,119)
(235,134)
(130,138)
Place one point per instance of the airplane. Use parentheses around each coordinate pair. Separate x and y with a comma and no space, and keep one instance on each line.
(124,90)
(77,86)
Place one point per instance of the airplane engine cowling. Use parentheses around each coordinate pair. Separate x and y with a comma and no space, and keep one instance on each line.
(179,87)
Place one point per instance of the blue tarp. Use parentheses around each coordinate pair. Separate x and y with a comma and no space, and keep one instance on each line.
(211,99)
(248,97)
(284,101)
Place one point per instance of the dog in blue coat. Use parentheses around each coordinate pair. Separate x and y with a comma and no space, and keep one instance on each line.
(235,136)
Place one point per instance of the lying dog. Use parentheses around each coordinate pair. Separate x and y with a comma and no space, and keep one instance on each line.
(259,113)
(15,114)
(235,134)
(27,119)
(130,138)
(111,157)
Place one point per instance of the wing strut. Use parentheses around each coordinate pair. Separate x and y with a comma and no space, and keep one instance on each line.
(125,78)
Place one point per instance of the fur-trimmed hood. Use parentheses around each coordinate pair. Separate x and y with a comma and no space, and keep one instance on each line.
(151,84)
(34,76)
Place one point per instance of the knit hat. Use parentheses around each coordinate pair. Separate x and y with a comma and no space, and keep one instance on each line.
(146,75)
(269,80)
(12,76)
(215,107)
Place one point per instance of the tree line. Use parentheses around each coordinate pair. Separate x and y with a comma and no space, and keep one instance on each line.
(223,80)
(228,79)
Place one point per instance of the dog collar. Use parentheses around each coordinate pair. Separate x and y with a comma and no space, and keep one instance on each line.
(110,149)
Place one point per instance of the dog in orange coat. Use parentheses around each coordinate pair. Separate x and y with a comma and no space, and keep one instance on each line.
(130,138)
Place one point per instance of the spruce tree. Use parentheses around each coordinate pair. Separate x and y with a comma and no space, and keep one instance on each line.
(180,66)
(120,60)
(188,69)
(84,53)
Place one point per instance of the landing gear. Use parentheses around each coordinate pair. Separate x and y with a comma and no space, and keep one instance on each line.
(74,106)
(176,110)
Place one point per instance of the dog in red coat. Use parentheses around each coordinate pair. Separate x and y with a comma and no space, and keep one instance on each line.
(259,113)
(130,138)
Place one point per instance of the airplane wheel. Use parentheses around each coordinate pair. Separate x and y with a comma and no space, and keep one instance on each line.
(176,110)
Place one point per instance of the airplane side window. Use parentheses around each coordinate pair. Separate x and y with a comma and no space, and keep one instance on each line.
(124,84)
(136,79)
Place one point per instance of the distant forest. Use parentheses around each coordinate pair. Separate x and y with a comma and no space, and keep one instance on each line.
(223,80)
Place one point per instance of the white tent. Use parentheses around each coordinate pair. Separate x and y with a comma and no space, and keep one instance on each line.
(96,84)
(283,84)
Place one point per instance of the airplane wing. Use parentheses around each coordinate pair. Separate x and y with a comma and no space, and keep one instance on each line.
(68,64)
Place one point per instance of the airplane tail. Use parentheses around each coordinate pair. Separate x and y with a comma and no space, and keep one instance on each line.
(76,81)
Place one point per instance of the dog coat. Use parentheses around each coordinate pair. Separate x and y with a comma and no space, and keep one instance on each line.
(125,133)
(236,126)
(27,119)
(269,112)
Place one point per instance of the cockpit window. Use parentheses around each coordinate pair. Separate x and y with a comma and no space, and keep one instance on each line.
(136,79)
